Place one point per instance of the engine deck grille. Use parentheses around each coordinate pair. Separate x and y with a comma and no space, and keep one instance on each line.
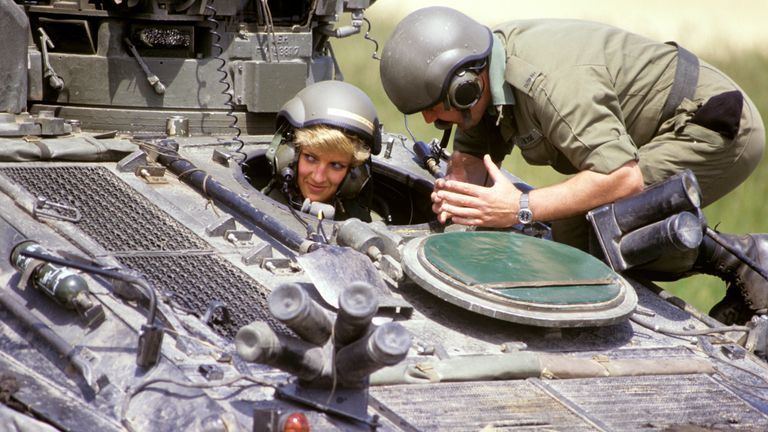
(662,402)
(490,405)
(148,240)
(648,403)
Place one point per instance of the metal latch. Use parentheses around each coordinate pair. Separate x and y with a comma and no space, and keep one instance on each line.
(239,237)
(153,80)
(151,174)
(46,208)
(54,80)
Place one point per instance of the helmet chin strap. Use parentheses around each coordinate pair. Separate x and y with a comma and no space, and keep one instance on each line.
(443,125)
(440,153)
(446,137)
(466,114)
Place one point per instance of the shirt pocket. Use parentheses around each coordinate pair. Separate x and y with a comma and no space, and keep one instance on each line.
(536,150)
(706,140)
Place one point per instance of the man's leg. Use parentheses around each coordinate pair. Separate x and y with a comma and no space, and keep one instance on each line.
(721,159)
(742,261)
(721,147)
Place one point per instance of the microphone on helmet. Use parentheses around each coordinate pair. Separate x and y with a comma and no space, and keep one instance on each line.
(287,174)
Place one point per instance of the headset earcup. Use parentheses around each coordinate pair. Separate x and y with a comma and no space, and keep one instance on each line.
(354,181)
(464,90)
(376,142)
(282,153)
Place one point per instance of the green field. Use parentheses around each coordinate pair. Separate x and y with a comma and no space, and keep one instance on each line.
(743,210)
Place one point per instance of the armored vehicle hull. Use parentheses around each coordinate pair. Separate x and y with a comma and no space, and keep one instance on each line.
(141,261)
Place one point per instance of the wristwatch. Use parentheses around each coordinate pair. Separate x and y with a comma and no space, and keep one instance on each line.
(524,215)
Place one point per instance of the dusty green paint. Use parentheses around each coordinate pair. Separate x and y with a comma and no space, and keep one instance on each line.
(506,259)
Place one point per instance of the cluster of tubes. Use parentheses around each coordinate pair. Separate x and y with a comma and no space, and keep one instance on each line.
(357,347)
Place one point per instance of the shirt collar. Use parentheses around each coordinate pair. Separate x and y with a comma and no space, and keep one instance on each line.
(501,90)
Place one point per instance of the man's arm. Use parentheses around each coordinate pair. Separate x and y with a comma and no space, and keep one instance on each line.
(497,205)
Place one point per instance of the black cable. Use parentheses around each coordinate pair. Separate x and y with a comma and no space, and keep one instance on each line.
(405,197)
(227,92)
(287,192)
(367,37)
(109,273)
(742,369)
(444,144)
(143,386)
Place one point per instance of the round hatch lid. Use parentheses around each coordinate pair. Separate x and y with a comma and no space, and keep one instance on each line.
(518,278)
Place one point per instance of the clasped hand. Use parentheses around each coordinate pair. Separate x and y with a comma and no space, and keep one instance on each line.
(469,204)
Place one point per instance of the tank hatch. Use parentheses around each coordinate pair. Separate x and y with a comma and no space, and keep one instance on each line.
(519,278)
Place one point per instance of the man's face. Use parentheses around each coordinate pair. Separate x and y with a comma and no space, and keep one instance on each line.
(320,174)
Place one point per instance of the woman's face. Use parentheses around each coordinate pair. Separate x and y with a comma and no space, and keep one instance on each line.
(320,174)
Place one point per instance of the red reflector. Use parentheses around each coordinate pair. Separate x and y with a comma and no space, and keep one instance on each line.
(296,422)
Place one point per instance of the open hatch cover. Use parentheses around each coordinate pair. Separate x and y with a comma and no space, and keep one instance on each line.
(518,278)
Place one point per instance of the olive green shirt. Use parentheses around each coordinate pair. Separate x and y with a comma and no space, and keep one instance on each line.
(585,96)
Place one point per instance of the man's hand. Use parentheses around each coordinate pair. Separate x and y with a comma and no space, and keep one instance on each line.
(467,168)
(470,204)
(497,206)
(462,167)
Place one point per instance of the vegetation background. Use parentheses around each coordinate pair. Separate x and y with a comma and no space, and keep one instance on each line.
(731,36)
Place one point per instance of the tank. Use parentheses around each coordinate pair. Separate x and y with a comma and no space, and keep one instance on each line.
(133,148)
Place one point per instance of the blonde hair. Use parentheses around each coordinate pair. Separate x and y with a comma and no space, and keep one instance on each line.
(326,138)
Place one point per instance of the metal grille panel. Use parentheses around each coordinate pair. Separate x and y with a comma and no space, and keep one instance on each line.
(661,403)
(474,406)
(115,215)
(122,220)
(195,281)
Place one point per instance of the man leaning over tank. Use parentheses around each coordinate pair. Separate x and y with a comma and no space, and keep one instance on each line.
(615,110)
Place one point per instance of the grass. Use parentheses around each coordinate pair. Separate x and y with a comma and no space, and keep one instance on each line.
(741,211)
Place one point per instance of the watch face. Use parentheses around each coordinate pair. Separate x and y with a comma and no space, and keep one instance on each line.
(525,216)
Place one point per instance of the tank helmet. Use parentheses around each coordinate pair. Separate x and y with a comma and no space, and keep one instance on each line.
(337,104)
(426,55)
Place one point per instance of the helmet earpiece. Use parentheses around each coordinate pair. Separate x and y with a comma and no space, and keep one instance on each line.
(464,90)
(282,155)
(354,182)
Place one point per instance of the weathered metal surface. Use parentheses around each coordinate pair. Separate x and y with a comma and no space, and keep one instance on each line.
(211,247)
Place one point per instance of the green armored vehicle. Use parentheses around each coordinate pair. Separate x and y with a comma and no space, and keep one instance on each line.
(149,283)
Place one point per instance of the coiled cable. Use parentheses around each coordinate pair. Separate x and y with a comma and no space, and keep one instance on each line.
(227,91)
(368,37)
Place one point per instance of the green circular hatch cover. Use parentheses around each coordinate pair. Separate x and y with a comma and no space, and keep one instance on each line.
(520,267)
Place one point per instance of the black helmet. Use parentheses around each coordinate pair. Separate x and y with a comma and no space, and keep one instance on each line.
(337,104)
(425,51)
